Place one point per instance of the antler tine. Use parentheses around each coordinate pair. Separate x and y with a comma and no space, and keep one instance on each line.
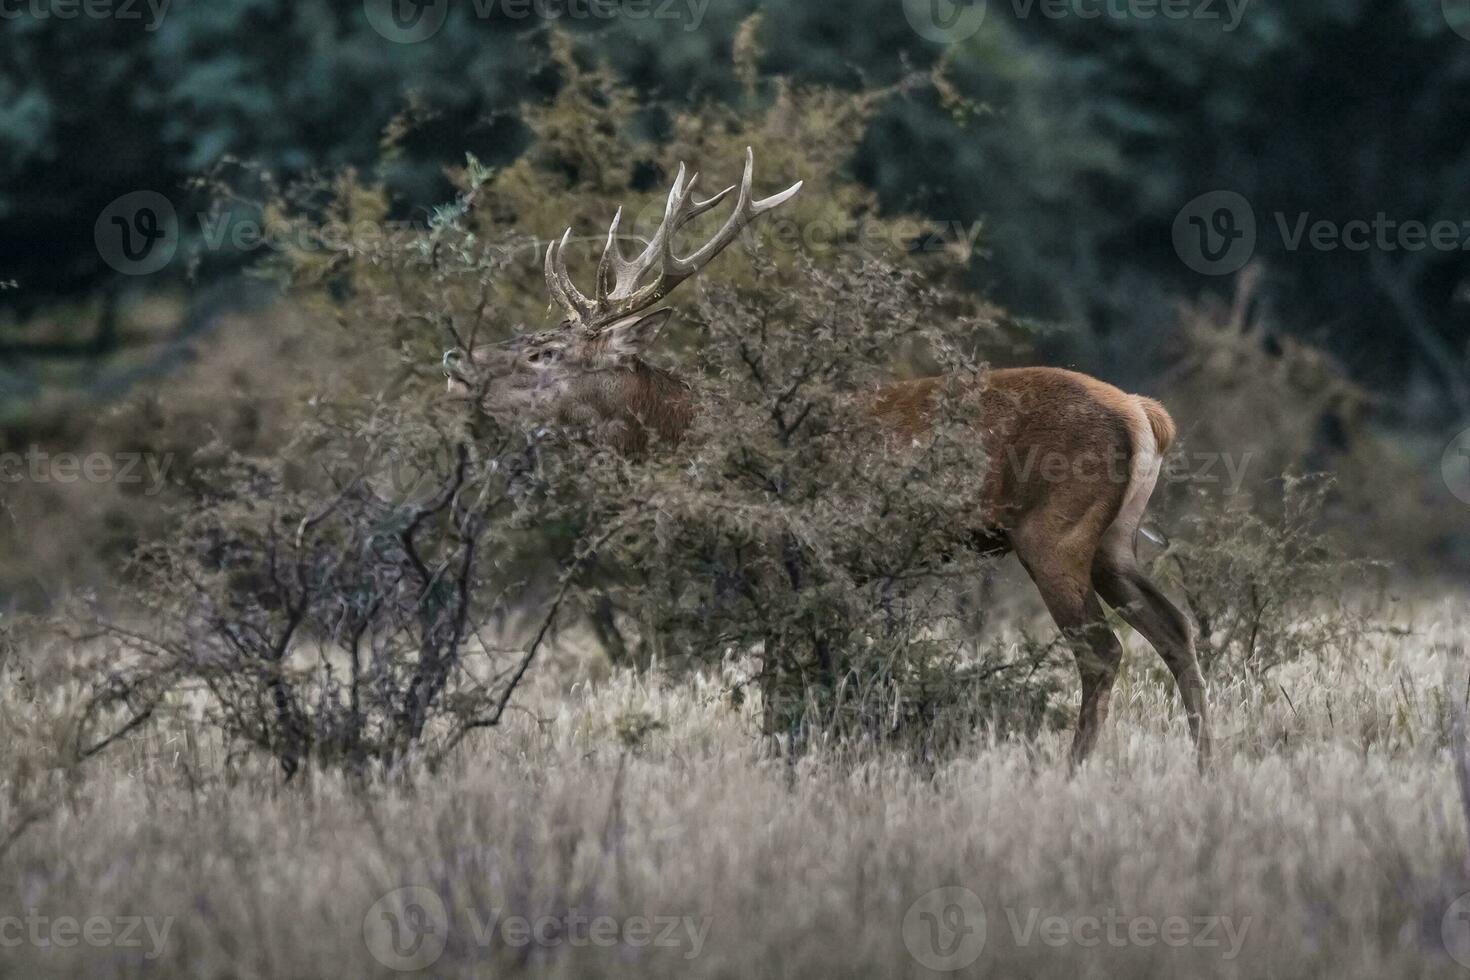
(689,209)
(610,266)
(674,270)
(563,291)
(746,211)
(700,207)
(617,277)
(618,292)
(678,201)
(558,295)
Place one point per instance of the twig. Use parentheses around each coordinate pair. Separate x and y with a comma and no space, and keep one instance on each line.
(567,576)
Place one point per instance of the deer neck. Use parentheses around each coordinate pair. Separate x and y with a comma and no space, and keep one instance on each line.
(649,405)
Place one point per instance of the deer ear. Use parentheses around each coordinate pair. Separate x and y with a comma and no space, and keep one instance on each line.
(632,334)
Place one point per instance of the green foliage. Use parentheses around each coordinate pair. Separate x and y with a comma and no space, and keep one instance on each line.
(782,527)
(1263,582)
(785,526)
(791,523)
(1075,140)
(98,108)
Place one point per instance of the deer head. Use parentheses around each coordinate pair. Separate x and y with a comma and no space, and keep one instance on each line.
(589,369)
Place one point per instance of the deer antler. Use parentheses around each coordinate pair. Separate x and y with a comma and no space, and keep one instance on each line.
(618,292)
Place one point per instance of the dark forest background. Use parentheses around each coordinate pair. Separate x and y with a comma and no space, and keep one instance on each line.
(1075,144)
(1076,141)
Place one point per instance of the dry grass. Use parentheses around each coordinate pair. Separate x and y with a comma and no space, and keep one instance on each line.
(1329,840)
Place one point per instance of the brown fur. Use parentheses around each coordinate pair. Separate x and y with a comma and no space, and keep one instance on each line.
(1063,450)
(1071,460)
(644,402)
(1160,421)
(1071,464)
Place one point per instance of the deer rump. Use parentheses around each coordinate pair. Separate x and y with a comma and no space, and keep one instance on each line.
(1064,445)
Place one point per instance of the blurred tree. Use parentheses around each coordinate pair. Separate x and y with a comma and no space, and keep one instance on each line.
(91,109)
(1076,140)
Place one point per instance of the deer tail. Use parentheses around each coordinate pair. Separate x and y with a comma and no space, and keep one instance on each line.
(1160,421)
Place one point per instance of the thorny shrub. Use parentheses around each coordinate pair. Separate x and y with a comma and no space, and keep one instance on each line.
(330,613)
(789,523)
(328,599)
(1263,582)
(328,602)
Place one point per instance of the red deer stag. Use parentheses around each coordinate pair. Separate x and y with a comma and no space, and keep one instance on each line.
(1074,534)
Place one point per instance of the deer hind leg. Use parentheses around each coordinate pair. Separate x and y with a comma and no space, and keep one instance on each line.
(1121,583)
(1123,586)
(1060,565)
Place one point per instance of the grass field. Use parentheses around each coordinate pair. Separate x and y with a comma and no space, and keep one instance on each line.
(1328,839)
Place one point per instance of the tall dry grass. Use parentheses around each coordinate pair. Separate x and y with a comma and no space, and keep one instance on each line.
(1328,840)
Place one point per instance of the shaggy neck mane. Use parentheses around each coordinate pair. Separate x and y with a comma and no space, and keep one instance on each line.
(659,403)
